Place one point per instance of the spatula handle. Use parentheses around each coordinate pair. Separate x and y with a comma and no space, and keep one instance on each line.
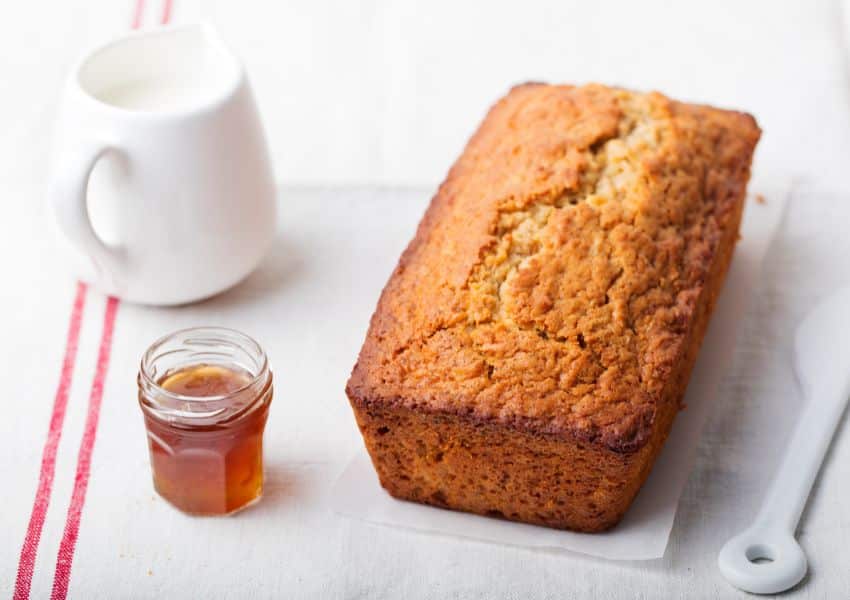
(765,558)
(792,484)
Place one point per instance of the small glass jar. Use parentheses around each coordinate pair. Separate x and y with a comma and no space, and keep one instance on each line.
(205,394)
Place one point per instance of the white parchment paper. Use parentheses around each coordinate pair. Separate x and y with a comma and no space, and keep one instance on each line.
(644,531)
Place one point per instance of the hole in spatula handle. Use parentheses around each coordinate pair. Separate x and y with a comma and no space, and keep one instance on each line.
(759,554)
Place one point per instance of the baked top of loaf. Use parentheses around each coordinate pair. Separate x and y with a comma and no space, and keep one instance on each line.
(552,280)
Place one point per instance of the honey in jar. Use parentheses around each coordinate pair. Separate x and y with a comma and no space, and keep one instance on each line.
(205,394)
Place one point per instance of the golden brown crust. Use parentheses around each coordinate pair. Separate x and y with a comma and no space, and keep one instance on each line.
(560,281)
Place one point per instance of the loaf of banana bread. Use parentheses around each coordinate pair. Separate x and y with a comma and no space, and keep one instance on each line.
(531,348)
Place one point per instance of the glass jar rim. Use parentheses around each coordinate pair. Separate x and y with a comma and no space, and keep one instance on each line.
(253,346)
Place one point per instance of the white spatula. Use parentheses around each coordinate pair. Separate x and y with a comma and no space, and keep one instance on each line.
(765,558)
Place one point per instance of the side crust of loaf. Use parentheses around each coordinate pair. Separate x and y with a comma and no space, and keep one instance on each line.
(459,462)
(530,352)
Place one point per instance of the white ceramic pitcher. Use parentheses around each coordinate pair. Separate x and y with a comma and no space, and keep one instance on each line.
(161,179)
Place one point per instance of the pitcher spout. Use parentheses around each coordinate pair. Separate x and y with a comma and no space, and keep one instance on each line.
(162,71)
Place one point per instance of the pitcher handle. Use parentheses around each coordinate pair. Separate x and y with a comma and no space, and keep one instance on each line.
(67,196)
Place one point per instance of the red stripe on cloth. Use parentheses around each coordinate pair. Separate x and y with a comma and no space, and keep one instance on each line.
(29,549)
(137,14)
(65,556)
(166,12)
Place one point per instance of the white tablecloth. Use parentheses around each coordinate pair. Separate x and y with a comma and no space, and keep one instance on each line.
(309,305)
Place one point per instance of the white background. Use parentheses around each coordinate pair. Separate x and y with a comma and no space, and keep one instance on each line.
(380,92)
(365,98)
